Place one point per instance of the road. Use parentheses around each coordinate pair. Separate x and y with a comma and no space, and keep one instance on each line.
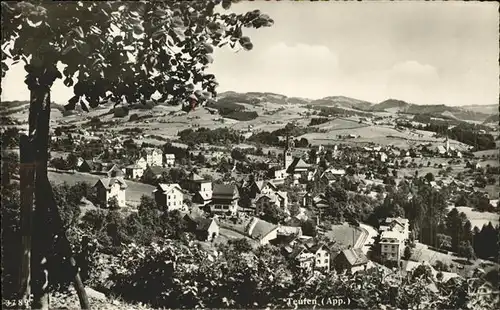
(368,238)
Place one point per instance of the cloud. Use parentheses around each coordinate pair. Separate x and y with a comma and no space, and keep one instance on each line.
(302,59)
(413,70)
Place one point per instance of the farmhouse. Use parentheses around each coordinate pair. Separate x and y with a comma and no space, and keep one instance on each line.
(205,229)
(224,199)
(352,260)
(169,196)
(108,188)
(262,231)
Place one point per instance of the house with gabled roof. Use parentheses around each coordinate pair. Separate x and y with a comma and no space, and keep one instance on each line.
(195,183)
(398,224)
(300,170)
(205,229)
(321,254)
(86,166)
(202,198)
(169,196)
(353,260)
(134,171)
(224,199)
(157,171)
(115,171)
(262,231)
(108,188)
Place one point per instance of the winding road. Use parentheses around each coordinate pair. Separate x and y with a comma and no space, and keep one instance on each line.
(366,240)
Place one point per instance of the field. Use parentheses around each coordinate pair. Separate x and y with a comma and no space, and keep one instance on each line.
(133,194)
(344,234)
(479,218)
(421,253)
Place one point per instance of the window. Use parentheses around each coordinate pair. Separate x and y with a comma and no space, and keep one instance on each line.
(326,260)
(174,203)
(393,247)
(169,197)
(318,261)
(169,204)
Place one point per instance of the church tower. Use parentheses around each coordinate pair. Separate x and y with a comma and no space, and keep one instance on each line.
(287,154)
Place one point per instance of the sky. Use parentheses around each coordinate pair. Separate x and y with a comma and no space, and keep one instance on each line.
(420,52)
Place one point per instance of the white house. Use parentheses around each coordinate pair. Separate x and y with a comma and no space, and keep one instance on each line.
(398,224)
(169,160)
(154,156)
(169,196)
(134,171)
(262,231)
(391,245)
(108,188)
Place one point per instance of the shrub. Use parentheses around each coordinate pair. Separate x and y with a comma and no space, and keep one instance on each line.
(120,111)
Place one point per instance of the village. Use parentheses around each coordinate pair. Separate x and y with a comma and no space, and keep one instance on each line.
(225,154)
(240,193)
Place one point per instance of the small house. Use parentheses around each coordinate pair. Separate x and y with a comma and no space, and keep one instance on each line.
(205,229)
(108,188)
(262,231)
(134,171)
(352,260)
(169,196)
(115,171)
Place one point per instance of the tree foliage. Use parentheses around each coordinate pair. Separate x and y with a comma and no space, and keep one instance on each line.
(123,51)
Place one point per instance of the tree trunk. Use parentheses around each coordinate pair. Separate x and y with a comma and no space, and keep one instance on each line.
(27,178)
(39,118)
(46,207)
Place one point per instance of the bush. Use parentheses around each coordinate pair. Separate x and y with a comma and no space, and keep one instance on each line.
(120,112)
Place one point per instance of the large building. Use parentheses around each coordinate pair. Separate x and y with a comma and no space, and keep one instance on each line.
(391,245)
(224,199)
(153,156)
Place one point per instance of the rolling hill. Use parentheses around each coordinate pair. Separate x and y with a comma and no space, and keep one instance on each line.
(343,102)
(437,110)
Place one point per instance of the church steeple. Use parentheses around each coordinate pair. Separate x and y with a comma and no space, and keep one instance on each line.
(287,154)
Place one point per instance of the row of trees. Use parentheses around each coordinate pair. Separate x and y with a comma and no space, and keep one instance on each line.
(210,136)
